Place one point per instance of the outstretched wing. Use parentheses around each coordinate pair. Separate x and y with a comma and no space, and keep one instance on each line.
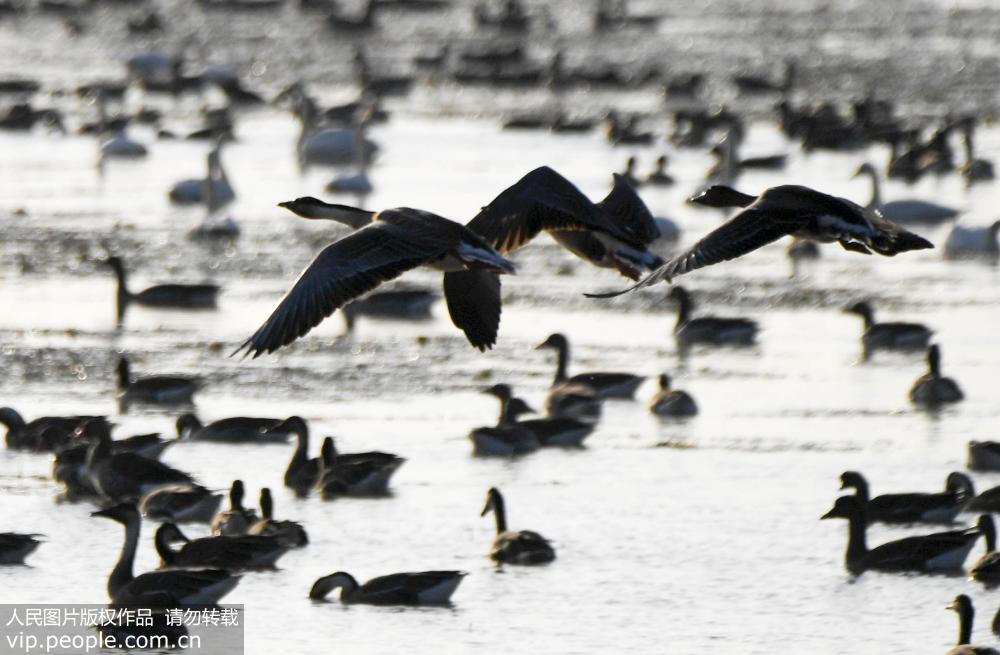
(748,230)
(625,208)
(473,299)
(541,200)
(342,271)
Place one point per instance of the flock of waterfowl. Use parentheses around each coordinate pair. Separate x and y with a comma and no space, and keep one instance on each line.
(126,481)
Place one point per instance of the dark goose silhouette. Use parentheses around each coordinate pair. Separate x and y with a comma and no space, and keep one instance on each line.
(941,507)
(888,336)
(383,246)
(43,433)
(783,211)
(170,296)
(229,553)
(422,588)
(14,547)
(289,534)
(605,385)
(933,389)
(154,389)
(515,547)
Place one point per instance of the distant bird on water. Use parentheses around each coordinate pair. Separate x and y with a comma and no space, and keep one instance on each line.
(781,211)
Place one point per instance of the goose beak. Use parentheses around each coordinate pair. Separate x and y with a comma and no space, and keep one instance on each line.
(951,606)
(828,515)
(284,205)
(102,512)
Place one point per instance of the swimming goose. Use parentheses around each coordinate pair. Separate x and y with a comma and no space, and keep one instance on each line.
(904,212)
(670,402)
(290,534)
(330,146)
(237,519)
(355,474)
(971,242)
(984,456)
(193,191)
(659,176)
(888,336)
(940,507)
(941,551)
(122,476)
(422,588)
(236,429)
(755,84)
(987,501)
(932,389)
(14,547)
(508,437)
(782,211)
(605,385)
(69,466)
(551,431)
(987,568)
(154,389)
(383,246)
(229,553)
(628,175)
(43,433)
(159,588)
(509,547)
(180,503)
(573,401)
(973,170)
(963,605)
(303,471)
(166,296)
(708,330)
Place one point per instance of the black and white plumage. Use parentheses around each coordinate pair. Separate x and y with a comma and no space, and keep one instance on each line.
(932,390)
(940,507)
(421,588)
(788,210)
(515,547)
(383,246)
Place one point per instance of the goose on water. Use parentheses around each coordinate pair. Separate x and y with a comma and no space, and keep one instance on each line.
(43,433)
(974,169)
(987,568)
(174,588)
(290,534)
(237,519)
(125,476)
(888,336)
(355,474)
(963,606)
(383,246)
(14,547)
(154,389)
(164,296)
(984,456)
(783,211)
(236,553)
(987,500)
(235,429)
(396,305)
(193,191)
(181,503)
(904,212)
(510,547)
(941,507)
(708,330)
(932,390)
(605,385)
(422,588)
(972,242)
(303,471)
(550,431)
(672,402)
(508,437)
(941,551)
(659,176)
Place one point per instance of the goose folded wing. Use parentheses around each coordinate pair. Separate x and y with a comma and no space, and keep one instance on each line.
(343,271)
(404,587)
(914,552)
(903,506)
(173,587)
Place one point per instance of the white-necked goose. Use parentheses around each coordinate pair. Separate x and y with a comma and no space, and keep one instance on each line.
(932,389)
(235,429)
(940,507)
(237,519)
(672,402)
(507,437)
(987,568)
(941,551)
(789,210)
(905,212)
(303,472)
(154,389)
(972,242)
(355,474)
(605,385)
(125,475)
(14,547)
(165,296)
(510,547)
(888,336)
(159,588)
(422,588)
(984,456)
(181,503)
(290,534)
(709,330)
(383,246)
(963,606)
(236,553)
(45,433)
(551,431)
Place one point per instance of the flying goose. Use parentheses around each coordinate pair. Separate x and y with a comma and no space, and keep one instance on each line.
(987,568)
(508,437)
(422,588)
(551,431)
(174,588)
(940,507)
(932,389)
(671,402)
(180,503)
(237,519)
(154,389)
(383,246)
(355,474)
(963,606)
(605,385)
(235,429)
(168,296)
(124,475)
(708,330)
(303,471)
(290,534)
(984,456)
(45,433)
(904,212)
(509,547)
(941,551)
(782,211)
(229,553)
(14,547)
(888,336)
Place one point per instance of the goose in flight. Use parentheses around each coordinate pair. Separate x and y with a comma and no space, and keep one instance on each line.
(781,211)
(383,246)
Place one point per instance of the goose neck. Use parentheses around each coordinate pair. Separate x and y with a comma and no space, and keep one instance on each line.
(121,575)
(857,546)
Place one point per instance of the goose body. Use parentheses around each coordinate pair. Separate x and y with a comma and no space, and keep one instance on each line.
(163,296)
(984,456)
(355,474)
(173,588)
(552,431)
(228,553)
(986,501)
(942,551)
(14,547)
(289,534)
(971,242)
(45,433)
(671,402)
(940,507)
(235,429)
(237,519)
(154,390)
(383,246)
(659,176)
(119,146)
(709,330)
(932,390)
(889,336)
(196,191)
(422,588)
(905,212)
(180,503)
(126,475)
(515,547)
(987,568)
(508,437)
(604,385)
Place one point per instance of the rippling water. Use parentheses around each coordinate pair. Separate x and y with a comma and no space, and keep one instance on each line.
(671,536)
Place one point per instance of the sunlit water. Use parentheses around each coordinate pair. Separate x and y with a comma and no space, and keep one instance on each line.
(671,536)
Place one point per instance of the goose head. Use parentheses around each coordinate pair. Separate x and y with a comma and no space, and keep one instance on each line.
(322,587)
(861,308)
(494,499)
(556,341)
(958,482)
(844,508)
(186,424)
(501,391)
(664,380)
